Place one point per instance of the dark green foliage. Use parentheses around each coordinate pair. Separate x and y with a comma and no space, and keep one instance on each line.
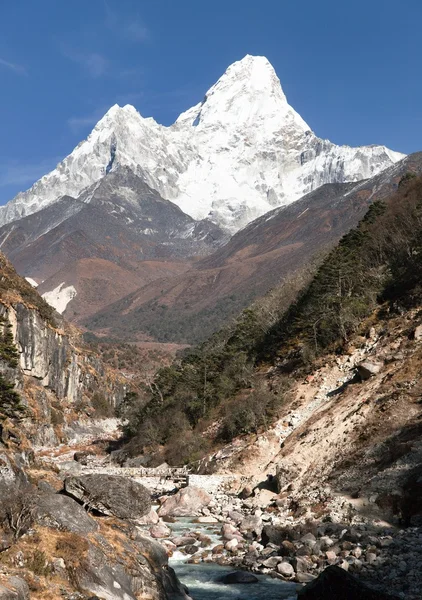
(378,261)
(10,401)
(250,413)
(379,258)
(8,350)
(407,178)
(183,396)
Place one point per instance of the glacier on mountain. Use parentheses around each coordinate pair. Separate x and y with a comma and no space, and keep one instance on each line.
(239,153)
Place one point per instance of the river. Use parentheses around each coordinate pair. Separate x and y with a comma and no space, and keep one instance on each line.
(202,579)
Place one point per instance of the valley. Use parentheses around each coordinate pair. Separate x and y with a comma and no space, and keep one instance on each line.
(210,352)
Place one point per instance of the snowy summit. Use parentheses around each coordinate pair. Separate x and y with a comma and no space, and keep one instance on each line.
(238,154)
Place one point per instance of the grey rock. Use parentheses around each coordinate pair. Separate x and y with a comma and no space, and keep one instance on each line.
(335,583)
(160,530)
(252,524)
(235,516)
(304,577)
(303,551)
(368,369)
(14,588)
(187,502)
(110,495)
(183,540)
(300,564)
(63,513)
(272,562)
(239,577)
(285,569)
(418,333)
(371,558)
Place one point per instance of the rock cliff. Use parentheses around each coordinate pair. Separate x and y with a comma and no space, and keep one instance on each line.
(54,392)
(57,379)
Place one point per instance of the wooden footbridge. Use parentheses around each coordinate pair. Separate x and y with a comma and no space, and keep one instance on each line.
(164,478)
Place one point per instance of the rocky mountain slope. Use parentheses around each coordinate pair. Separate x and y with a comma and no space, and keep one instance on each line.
(191,306)
(335,367)
(120,234)
(240,152)
(54,392)
(56,381)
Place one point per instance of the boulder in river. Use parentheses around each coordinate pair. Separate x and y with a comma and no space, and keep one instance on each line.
(111,495)
(188,502)
(335,583)
(160,530)
(239,577)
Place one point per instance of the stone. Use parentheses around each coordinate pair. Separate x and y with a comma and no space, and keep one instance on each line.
(252,524)
(207,519)
(303,551)
(273,534)
(239,577)
(6,540)
(11,475)
(331,557)
(228,531)
(304,577)
(188,502)
(272,562)
(183,540)
(160,530)
(300,564)
(150,519)
(111,495)
(371,558)
(191,549)
(344,565)
(285,569)
(368,369)
(246,492)
(335,583)
(287,548)
(418,333)
(14,588)
(82,457)
(235,516)
(231,545)
(63,513)
(326,542)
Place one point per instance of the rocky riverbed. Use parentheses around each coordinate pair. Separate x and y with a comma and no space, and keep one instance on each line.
(228,531)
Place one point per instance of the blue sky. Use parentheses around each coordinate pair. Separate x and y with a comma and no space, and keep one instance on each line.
(352,70)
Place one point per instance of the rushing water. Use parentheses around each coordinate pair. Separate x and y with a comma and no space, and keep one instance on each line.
(203,579)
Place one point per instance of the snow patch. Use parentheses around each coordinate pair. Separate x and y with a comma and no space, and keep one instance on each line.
(31,281)
(60,297)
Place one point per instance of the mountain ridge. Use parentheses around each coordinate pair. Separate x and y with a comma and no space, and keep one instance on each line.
(230,158)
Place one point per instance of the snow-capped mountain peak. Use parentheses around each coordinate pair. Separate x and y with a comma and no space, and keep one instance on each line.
(240,152)
(248,95)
